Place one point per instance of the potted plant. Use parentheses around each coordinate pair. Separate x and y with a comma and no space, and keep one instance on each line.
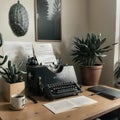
(87,51)
(13,79)
(117,74)
(4,59)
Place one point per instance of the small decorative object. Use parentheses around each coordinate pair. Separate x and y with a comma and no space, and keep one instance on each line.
(12,80)
(18,19)
(86,52)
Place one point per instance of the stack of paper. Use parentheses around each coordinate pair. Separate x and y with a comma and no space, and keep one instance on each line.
(69,104)
(44,53)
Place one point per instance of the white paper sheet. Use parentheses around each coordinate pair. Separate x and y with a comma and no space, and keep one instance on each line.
(44,53)
(69,104)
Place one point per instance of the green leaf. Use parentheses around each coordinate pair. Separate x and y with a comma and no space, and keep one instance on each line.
(87,50)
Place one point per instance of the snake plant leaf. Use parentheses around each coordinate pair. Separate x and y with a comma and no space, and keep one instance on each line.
(1,56)
(12,73)
(100,59)
(98,43)
(1,40)
(23,72)
(106,47)
(4,59)
(3,72)
(117,71)
(20,65)
(103,40)
(90,49)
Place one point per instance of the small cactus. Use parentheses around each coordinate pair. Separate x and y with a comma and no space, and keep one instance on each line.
(12,74)
(2,57)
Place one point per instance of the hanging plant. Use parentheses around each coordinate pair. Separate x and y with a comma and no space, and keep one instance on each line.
(18,19)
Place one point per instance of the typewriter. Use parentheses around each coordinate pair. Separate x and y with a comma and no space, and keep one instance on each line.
(61,89)
(52,83)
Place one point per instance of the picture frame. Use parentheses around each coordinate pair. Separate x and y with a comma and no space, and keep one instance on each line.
(47,20)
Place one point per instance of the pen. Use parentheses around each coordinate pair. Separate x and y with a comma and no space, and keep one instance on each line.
(31,98)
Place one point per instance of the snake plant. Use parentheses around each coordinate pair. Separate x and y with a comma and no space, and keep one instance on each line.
(3,59)
(13,73)
(87,50)
(117,71)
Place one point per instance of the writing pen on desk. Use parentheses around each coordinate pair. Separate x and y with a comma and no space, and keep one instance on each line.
(33,99)
(97,93)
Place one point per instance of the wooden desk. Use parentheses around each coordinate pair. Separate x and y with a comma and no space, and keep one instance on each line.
(39,112)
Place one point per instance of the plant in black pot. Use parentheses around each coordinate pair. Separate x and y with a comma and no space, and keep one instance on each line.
(86,52)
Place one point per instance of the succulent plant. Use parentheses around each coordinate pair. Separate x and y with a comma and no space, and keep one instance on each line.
(13,73)
(117,71)
(4,59)
(88,50)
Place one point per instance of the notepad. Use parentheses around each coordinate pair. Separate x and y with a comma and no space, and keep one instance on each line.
(105,91)
(69,104)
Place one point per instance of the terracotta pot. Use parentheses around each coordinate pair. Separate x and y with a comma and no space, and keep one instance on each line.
(91,74)
(14,88)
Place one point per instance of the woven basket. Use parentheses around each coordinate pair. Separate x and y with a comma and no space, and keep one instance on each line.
(18,19)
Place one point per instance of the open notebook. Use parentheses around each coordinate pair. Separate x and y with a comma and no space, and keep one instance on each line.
(69,104)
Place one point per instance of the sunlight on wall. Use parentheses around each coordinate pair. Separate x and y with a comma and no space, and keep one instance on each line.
(117,33)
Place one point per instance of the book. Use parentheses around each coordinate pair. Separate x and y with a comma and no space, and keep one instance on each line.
(69,104)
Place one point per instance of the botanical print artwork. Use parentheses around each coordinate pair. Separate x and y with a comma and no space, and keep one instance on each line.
(54,9)
(18,19)
(49,19)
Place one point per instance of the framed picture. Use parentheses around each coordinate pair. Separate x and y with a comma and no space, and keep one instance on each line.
(48,20)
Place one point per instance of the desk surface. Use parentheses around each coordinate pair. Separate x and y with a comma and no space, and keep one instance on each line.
(39,112)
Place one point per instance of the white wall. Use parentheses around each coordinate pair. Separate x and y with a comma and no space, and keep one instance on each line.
(4,21)
(74,23)
(102,19)
(77,17)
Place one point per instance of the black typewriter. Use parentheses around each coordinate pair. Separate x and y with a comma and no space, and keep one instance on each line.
(61,89)
(50,83)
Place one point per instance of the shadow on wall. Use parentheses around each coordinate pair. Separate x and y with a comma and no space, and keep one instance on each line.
(20,57)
